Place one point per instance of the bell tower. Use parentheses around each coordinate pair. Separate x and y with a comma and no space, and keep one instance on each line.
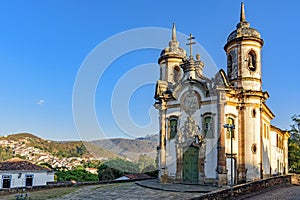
(243,50)
(170,60)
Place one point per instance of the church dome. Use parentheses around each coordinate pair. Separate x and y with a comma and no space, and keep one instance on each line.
(173,50)
(243,29)
(169,51)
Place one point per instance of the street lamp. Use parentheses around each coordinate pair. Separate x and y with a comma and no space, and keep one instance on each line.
(230,127)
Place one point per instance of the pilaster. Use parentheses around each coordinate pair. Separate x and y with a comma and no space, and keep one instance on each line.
(221,166)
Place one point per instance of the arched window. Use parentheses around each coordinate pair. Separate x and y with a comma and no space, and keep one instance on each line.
(252,61)
(230,131)
(173,122)
(208,127)
(176,73)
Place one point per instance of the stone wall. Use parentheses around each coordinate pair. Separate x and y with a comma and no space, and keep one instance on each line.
(247,188)
(295,179)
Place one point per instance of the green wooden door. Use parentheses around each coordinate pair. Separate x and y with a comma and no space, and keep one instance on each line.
(190,166)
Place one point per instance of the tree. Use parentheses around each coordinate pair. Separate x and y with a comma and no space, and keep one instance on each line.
(150,170)
(5,153)
(294,145)
(77,175)
(46,165)
(295,128)
(145,162)
(116,168)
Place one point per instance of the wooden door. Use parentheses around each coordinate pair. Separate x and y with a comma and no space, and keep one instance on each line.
(190,166)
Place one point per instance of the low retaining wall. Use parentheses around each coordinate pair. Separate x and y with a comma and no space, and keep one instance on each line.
(247,188)
(295,179)
(51,185)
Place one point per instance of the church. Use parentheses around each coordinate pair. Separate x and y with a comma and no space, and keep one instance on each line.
(217,130)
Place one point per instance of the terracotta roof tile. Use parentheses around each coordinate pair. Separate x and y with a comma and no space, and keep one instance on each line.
(18,164)
(137,176)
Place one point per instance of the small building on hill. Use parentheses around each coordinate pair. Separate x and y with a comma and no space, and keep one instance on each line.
(16,173)
(133,177)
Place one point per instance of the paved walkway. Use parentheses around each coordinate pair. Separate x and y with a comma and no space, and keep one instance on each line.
(131,191)
(154,184)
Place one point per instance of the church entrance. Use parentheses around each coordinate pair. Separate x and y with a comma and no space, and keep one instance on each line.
(190,165)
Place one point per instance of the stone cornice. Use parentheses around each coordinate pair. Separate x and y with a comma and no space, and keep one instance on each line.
(282,132)
(243,38)
(266,110)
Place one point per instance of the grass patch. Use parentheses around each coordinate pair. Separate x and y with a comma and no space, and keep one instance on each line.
(44,194)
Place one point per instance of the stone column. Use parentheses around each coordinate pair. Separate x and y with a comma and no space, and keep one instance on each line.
(221,168)
(241,146)
(201,158)
(179,166)
(163,134)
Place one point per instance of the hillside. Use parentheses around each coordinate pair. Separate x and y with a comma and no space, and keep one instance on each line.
(73,153)
(130,148)
(38,150)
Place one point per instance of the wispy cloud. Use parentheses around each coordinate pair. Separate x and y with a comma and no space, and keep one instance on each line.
(40,102)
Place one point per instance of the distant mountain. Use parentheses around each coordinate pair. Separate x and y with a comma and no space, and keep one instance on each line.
(130,148)
(153,138)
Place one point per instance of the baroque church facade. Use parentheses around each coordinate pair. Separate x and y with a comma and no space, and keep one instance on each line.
(194,145)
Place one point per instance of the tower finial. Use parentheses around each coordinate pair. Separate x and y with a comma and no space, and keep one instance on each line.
(174,32)
(242,16)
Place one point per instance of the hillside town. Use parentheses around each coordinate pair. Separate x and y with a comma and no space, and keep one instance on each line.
(35,155)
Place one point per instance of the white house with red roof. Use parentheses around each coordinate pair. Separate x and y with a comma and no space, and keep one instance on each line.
(16,173)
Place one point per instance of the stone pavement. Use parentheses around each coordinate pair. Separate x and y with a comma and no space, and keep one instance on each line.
(154,184)
(134,191)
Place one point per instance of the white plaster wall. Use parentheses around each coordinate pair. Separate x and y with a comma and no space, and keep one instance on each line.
(252,136)
(171,157)
(273,152)
(277,155)
(43,178)
(267,149)
(231,111)
(39,178)
(211,156)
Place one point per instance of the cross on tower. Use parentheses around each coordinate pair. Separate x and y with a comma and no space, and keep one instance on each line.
(190,44)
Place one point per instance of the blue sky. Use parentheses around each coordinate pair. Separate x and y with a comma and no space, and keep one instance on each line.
(44,43)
